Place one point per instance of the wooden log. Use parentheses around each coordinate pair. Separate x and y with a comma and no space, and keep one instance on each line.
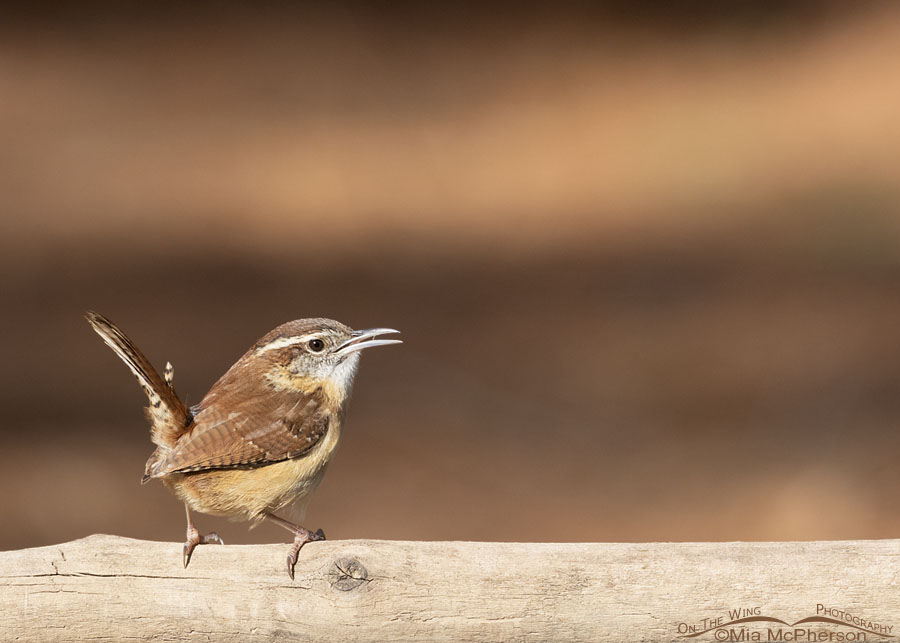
(105,588)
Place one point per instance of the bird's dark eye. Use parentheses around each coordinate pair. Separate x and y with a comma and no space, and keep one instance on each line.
(316,345)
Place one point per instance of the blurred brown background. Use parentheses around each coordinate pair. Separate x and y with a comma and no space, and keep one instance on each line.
(646,259)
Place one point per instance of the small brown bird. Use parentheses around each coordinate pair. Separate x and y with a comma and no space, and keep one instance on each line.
(266,431)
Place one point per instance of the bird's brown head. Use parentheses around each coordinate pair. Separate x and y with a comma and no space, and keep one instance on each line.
(306,354)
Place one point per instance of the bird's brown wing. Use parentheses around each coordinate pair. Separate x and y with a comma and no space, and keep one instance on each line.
(247,432)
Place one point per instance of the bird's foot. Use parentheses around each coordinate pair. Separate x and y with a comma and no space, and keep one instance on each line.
(301,537)
(194,538)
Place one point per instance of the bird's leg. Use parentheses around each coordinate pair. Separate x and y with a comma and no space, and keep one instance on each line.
(194,538)
(301,537)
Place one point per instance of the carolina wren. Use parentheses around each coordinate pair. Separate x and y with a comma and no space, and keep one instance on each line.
(263,435)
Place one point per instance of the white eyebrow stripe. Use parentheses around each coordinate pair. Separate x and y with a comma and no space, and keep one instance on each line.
(282,342)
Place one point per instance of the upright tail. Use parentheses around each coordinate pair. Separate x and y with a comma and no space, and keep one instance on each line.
(167,414)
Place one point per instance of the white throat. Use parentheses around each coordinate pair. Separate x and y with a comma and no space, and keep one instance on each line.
(342,375)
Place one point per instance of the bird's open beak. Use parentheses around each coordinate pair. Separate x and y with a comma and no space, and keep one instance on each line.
(366,339)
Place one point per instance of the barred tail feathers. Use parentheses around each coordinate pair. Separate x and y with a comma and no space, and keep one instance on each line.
(167,414)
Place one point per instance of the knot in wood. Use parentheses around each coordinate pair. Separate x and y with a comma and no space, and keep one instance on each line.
(348,574)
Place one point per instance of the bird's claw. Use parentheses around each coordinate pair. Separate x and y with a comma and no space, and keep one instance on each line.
(194,538)
(291,561)
(299,540)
